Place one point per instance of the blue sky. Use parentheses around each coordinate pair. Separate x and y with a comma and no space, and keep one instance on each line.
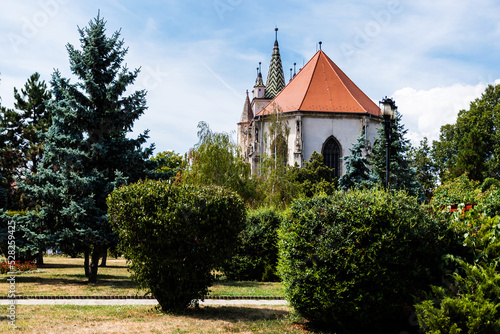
(199,57)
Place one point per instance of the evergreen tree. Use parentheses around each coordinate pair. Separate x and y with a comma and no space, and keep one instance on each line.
(3,195)
(358,174)
(87,154)
(11,161)
(425,167)
(401,174)
(35,119)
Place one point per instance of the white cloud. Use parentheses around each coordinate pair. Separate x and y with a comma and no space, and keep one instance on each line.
(425,111)
(196,66)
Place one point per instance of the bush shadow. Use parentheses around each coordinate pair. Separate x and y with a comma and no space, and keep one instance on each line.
(236,313)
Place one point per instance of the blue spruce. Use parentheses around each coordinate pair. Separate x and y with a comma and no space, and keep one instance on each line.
(87,154)
(358,174)
(401,175)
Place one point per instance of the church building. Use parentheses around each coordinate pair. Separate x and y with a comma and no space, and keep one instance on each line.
(321,108)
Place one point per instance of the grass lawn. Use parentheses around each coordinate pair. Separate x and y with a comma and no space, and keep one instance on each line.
(146,319)
(64,276)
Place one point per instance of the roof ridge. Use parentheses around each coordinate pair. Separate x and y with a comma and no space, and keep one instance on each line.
(310,81)
(330,62)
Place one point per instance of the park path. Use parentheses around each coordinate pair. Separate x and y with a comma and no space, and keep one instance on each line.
(119,302)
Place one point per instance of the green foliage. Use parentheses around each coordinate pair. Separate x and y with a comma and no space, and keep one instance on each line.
(488,182)
(279,189)
(458,190)
(3,195)
(357,175)
(426,169)
(443,152)
(473,237)
(313,178)
(26,249)
(24,128)
(215,160)
(472,144)
(489,201)
(174,236)
(36,119)
(473,308)
(87,153)
(11,161)
(168,164)
(351,260)
(401,175)
(256,256)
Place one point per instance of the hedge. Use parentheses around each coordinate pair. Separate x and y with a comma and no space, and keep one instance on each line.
(352,261)
(256,256)
(174,236)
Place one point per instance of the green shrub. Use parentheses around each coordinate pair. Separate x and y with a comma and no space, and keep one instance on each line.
(174,236)
(474,308)
(459,190)
(352,261)
(487,183)
(256,255)
(473,237)
(489,201)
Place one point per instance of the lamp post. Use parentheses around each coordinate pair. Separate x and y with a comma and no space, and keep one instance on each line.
(388,108)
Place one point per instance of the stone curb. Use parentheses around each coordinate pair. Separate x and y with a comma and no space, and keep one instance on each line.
(142,297)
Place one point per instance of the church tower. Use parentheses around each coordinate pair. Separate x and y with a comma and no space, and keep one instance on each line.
(275,77)
(323,109)
(262,95)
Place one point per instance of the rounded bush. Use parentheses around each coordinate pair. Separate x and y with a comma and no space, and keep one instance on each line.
(174,236)
(352,261)
(256,256)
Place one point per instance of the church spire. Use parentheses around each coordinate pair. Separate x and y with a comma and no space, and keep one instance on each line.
(259,82)
(275,77)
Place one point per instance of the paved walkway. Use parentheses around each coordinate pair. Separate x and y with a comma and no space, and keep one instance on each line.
(139,302)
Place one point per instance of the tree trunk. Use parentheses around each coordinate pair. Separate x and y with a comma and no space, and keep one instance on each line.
(104,258)
(86,262)
(39,259)
(94,263)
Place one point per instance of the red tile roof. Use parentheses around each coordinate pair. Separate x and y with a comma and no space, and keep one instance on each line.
(322,86)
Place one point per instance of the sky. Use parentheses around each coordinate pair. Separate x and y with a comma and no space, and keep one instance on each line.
(198,58)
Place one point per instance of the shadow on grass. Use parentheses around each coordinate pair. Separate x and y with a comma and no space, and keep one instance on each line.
(242,284)
(235,313)
(118,282)
(75,265)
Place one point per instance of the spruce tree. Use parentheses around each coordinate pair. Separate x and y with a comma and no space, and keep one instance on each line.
(358,174)
(401,175)
(87,154)
(426,168)
(11,161)
(35,119)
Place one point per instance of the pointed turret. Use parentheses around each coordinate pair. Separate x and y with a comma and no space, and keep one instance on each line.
(275,77)
(259,88)
(247,113)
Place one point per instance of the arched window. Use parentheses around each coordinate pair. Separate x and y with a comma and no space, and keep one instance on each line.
(332,154)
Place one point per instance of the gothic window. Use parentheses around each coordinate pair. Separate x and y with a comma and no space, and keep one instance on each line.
(332,155)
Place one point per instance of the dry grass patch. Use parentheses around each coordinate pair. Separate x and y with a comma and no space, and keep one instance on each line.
(64,276)
(146,319)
